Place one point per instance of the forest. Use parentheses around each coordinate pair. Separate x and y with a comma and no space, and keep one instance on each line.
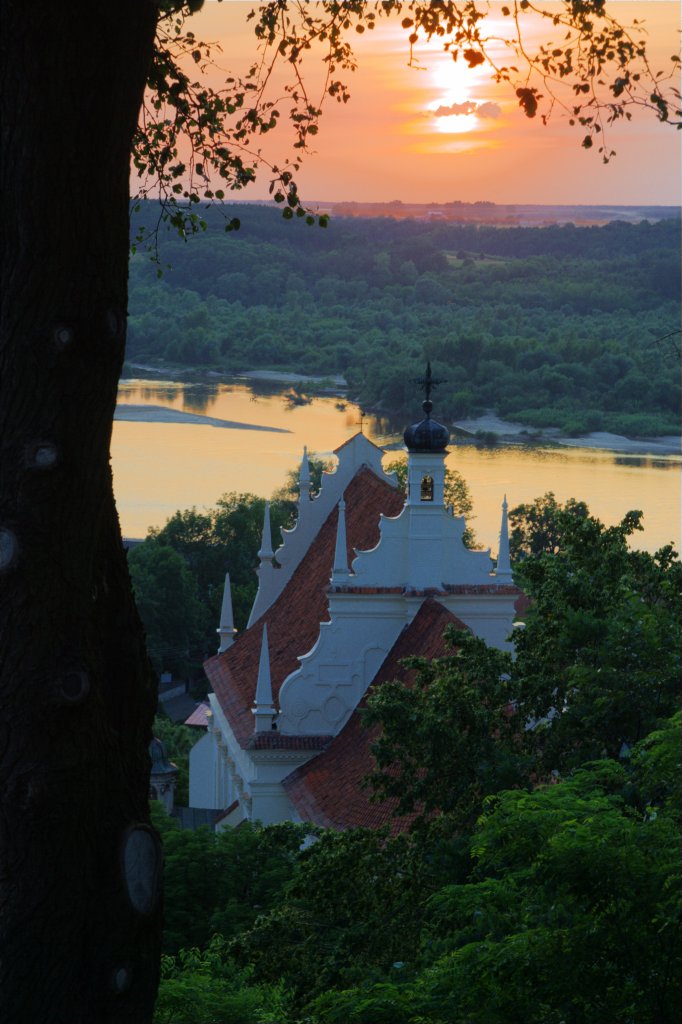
(543,847)
(560,326)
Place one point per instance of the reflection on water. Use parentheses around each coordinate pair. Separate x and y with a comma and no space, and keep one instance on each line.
(167,394)
(629,460)
(199,397)
(161,467)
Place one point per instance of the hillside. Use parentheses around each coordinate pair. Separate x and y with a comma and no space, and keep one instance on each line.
(574,327)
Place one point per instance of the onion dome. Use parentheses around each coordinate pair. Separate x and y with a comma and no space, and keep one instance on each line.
(428,435)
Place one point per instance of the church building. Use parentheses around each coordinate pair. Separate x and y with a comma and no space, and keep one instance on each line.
(365,578)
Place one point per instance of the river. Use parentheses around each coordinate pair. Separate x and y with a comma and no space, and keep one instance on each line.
(160,466)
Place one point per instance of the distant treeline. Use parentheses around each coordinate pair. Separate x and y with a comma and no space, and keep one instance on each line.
(557,326)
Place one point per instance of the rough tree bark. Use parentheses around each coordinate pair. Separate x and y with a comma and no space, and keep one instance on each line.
(76,691)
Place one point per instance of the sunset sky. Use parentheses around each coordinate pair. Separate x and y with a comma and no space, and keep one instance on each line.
(445,132)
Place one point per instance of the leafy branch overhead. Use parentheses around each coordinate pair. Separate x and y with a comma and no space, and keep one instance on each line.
(195,142)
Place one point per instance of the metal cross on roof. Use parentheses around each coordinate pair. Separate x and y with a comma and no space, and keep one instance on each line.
(428,382)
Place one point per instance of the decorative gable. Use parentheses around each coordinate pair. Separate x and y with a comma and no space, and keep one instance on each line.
(349,591)
(294,618)
(355,454)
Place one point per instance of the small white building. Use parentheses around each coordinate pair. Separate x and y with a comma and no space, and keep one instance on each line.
(365,578)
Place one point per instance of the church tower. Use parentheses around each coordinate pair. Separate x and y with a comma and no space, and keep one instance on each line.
(427,445)
(420,556)
(363,579)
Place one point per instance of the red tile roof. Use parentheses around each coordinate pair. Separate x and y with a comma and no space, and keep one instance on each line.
(198,717)
(448,588)
(294,619)
(228,810)
(279,741)
(482,588)
(327,790)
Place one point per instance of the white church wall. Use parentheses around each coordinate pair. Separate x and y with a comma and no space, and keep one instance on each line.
(319,697)
(221,771)
(419,466)
(422,548)
(236,763)
(420,551)
(269,801)
(488,616)
(202,772)
(270,804)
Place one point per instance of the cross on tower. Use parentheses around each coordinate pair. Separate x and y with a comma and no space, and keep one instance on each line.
(428,382)
(361,421)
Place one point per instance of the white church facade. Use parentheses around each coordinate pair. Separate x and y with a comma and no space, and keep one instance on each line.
(365,578)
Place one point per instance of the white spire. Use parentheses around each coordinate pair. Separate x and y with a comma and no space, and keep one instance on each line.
(340,570)
(304,477)
(226,630)
(263,710)
(266,554)
(503,570)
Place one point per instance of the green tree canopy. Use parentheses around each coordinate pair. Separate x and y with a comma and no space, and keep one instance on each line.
(167,599)
(597,668)
(181,612)
(538,527)
(534,859)
(448,740)
(571,882)
(598,662)
(349,912)
(220,883)
(73,87)
(205,987)
(551,353)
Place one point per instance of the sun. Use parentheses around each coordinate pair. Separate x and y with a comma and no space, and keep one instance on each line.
(452,84)
(457,124)
(451,80)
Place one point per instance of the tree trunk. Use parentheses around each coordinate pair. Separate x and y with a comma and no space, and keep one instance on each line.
(78,942)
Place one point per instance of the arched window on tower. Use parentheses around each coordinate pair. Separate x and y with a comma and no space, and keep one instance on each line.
(427,488)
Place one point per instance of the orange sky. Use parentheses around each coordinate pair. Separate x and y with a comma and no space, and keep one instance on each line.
(387,142)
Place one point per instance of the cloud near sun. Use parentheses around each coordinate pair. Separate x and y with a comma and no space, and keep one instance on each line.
(468,107)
